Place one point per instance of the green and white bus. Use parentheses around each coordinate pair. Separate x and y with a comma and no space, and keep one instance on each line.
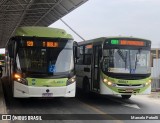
(115,66)
(40,63)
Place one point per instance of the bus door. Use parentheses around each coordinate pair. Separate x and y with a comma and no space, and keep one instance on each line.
(96,72)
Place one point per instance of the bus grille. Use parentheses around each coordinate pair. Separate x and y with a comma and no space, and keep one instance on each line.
(129,85)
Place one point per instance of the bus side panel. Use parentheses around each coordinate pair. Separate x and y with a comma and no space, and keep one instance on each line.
(79,82)
(81,73)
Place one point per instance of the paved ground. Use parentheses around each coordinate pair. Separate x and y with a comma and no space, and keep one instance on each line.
(2,101)
(94,104)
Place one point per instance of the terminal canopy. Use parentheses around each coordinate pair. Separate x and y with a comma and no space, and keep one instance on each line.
(17,13)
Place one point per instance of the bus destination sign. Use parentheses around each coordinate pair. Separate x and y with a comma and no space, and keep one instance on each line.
(128,42)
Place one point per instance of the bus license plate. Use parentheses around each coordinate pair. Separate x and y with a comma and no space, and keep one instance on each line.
(129,90)
(47,94)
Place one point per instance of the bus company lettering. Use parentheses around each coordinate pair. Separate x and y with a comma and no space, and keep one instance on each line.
(34,118)
(33,81)
(144,117)
(24,117)
(59,81)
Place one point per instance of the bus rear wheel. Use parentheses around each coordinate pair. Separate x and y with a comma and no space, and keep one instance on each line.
(126,96)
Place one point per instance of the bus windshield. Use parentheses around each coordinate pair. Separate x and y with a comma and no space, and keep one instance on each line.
(45,60)
(135,61)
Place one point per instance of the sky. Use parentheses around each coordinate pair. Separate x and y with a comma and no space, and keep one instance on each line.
(102,18)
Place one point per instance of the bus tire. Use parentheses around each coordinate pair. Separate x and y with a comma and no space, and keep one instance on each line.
(11,88)
(126,96)
(86,86)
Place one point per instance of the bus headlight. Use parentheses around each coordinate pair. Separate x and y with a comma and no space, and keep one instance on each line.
(105,80)
(150,81)
(71,80)
(147,83)
(18,78)
(109,83)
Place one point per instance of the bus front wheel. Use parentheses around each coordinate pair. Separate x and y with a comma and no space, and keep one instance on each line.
(126,96)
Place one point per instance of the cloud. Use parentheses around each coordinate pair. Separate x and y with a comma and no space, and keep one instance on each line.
(96,18)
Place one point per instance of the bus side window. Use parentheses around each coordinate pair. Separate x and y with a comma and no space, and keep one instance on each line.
(80,60)
(87,60)
(88,54)
(105,64)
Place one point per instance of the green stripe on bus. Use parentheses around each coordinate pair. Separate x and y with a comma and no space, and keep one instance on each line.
(37,82)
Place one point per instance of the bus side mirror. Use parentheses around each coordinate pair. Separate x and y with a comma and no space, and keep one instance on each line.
(77,52)
(11,50)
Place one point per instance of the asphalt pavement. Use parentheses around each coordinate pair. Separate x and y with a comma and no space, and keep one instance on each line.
(87,107)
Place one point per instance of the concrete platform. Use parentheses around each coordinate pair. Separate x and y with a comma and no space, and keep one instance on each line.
(2,101)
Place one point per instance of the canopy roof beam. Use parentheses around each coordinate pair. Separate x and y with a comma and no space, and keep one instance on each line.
(17,13)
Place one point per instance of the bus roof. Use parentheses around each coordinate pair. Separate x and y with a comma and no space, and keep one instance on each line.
(101,39)
(31,31)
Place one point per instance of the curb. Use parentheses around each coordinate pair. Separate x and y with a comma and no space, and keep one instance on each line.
(3,109)
(155,95)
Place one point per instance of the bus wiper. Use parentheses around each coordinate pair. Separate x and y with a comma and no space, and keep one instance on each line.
(136,61)
(124,58)
(139,52)
(121,54)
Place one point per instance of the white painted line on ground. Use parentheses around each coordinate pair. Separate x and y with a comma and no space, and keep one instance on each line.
(131,105)
(126,104)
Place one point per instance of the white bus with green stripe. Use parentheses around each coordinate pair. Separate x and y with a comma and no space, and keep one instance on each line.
(40,63)
(115,66)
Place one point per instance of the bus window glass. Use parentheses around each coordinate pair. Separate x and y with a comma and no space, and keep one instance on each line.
(88,54)
(126,61)
(87,60)
(45,60)
(80,60)
(81,49)
(88,49)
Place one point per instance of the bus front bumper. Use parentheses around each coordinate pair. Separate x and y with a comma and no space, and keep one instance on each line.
(106,90)
(24,91)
